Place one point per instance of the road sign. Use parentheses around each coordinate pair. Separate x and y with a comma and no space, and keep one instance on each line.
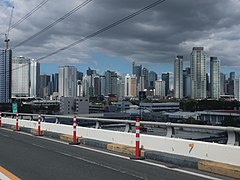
(14,108)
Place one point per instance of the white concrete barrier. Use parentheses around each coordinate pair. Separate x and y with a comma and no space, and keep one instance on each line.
(202,150)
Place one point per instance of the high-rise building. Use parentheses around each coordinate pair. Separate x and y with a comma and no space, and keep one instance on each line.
(152,77)
(232,76)
(20,77)
(34,78)
(55,80)
(5,75)
(215,77)
(137,70)
(44,86)
(187,82)
(222,83)
(120,89)
(97,86)
(198,73)
(134,86)
(166,78)
(103,84)
(237,89)
(67,81)
(127,86)
(160,88)
(145,77)
(178,77)
(111,82)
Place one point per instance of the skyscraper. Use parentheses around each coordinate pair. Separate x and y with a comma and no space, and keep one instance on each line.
(186,82)
(198,73)
(222,83)
(67,81)
(165,77)
(237,89)
(178,77)
(152,77)
(160,88)
(5,75)
(34,78)
(44,86)
(111,82)
(20,77)
(215,77)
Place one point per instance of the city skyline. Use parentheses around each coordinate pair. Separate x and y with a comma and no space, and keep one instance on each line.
(153,38)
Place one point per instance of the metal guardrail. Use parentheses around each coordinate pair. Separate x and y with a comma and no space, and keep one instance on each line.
(233,133)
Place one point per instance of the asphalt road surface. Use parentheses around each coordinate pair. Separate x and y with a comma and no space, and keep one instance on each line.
(38,158)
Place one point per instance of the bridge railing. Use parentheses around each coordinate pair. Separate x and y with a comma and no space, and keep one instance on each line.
(233,133)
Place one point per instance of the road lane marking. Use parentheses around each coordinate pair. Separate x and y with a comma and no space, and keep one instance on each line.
(6,175)
(98,164)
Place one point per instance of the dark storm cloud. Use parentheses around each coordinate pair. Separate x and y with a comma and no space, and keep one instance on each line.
(155,36)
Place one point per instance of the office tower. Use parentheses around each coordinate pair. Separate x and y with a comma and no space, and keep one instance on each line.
(152,77)
(198,73)
(55,80)
(34,78)
(79,88)
(97,86)
(165,77)
(5,75)
(137,70)
(111,82)
(103,84)
(145,77)
(44,86)
(20,77)
(222,83)
(160,88)
(232,76)
(67,81)
(187,82)
(178,77)
(231,83)
(141,84)
(134,86)
(215,77)
(208,93)
(127,86)
(120,88)
(91,72)
(237,89)
(79,75)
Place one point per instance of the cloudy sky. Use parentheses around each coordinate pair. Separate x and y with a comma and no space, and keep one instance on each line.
(152,38)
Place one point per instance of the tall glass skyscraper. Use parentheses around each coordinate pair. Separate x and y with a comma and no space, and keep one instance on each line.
(215,77)
(5,75)
(34,78)
(20,77)
(178,77)
(67,81)
(165,77)
(198,73)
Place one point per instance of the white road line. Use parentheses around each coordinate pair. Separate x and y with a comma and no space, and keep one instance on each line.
(3,177)
(101,165)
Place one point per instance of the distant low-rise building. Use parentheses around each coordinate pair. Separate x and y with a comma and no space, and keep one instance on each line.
(74,105)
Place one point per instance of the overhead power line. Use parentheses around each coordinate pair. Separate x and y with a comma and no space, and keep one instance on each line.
(101,30)
(106,28)
(54,23)
(27,15)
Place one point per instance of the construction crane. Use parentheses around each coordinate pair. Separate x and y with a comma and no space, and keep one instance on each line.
(7,33)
